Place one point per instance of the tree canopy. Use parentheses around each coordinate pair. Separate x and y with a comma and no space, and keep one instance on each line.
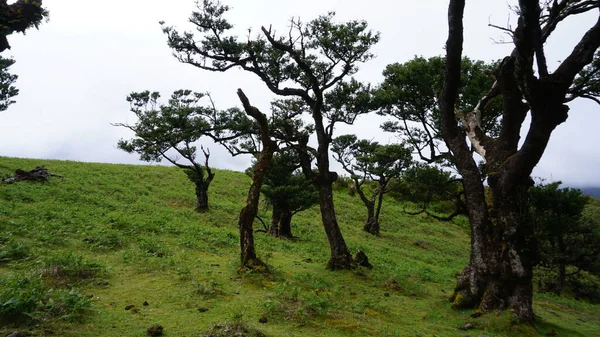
(409,95)
(370,162)
(170,132)
(566,237)
(19,17)
(287,191)
(301,66)
(7,90)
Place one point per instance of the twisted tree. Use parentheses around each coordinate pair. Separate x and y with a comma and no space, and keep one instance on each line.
(503,245)
(170,131)
(301,65)
(369,162)
(248,258)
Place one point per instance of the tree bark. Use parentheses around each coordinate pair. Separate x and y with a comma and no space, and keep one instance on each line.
(340,255)
(503,245)
(324,179)
(201,197)
(281,222)
(248,258)
(372,225)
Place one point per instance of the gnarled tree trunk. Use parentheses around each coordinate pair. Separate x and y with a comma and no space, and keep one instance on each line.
(281,222)
(503,246)
(499,274)
(340,255)
(201,197)
(248,258)
(372,225)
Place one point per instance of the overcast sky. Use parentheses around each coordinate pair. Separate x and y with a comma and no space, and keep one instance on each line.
(75,72)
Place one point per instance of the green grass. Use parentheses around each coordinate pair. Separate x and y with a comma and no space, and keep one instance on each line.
(74,252)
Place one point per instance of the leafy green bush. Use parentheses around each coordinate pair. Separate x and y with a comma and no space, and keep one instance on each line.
(585,285)
(292,302)
(25,300)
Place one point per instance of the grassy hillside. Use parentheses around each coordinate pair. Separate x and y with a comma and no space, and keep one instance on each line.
(76,251)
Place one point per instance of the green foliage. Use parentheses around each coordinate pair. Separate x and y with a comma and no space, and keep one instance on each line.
(367,161)
(19,16)
(175,126)
(409,95)
(208,289)
(587,82)
(568,231)
(424,184)
(7,90)
(69,270)
(370,160)
(26,300)
(285,188)
(12,251)
(585,285)
(170,131)
(308,297)
(276,60)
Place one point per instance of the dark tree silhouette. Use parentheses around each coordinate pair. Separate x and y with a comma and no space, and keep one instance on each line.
(16,17)
(503,245)
(19,17)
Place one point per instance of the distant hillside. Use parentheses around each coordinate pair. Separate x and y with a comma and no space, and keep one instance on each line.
(591,191)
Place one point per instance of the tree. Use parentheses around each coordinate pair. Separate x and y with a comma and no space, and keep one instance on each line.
(16,17)
(248,257)
(7,90)
(19,17)
(169,132)
(409,95)
(367,161)
(300,66)
(565,237)
(503,245)
(287,191)
(425,184)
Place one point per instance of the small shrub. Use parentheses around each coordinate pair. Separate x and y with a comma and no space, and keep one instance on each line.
(13,252)
(154,249)
(69,270)
(25,300)
(232,329)
(207,290)
(104,243)
(292,302)
(585,285)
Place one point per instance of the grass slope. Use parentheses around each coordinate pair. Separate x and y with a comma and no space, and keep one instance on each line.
(104,237)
